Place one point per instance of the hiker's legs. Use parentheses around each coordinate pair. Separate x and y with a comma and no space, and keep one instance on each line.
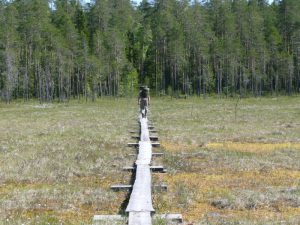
(142,107)
(146,111)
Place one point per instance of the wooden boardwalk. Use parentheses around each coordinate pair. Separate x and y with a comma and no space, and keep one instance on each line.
(140,208)
(140,202)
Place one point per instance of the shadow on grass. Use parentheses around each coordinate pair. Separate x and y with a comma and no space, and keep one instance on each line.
(126,201)
(122,209)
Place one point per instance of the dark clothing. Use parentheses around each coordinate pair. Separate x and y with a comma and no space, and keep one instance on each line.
(143,94)
(144,102)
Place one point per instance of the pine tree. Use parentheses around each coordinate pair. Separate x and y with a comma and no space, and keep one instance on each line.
(9,45)
(62,49)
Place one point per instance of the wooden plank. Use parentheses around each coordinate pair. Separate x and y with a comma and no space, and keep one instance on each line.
(140,198)
(155,144)
(129,168)
(137,130)
(160,169)
(135,137)
(152,168)
(153,131)
(132,128)
(153,154)
(133,144)
(125,187)
(145,153)
(152,138)
(140,218)
(144,131)
(121,187)
(157,154)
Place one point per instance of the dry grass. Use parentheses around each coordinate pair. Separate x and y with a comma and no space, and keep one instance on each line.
(231,170)
(58,161)
(259,148)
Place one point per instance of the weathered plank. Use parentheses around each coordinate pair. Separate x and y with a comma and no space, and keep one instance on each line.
(135,130)
(152,138)
(133,144)
(139,218)
(144,131)
(135,136)
(121,187)
(152,168)
(125,187)
(145,153)
(160,169)
(157,154)
(155,144)
(153,154)
(140,198)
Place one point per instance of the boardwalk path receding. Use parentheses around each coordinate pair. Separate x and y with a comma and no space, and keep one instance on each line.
(140,202)
(140,207)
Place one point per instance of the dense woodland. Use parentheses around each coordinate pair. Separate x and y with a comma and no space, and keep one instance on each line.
(63,49)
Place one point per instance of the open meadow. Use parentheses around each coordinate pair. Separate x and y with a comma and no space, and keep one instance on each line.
(228,161)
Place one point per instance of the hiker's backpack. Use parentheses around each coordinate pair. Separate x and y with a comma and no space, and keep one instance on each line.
(144,93)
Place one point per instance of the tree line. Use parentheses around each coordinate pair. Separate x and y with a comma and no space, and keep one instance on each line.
(63,49)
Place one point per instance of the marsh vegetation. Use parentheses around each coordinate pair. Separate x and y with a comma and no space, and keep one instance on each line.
(57,161)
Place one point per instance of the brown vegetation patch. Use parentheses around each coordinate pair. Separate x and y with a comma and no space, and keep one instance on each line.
(197,195)
(174,147)
(253,147)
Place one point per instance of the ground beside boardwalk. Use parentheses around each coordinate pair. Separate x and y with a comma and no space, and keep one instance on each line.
(227,160)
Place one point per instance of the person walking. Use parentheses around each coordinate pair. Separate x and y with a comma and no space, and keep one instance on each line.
(144,100)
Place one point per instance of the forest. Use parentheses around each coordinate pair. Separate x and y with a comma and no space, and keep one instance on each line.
(64,49)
